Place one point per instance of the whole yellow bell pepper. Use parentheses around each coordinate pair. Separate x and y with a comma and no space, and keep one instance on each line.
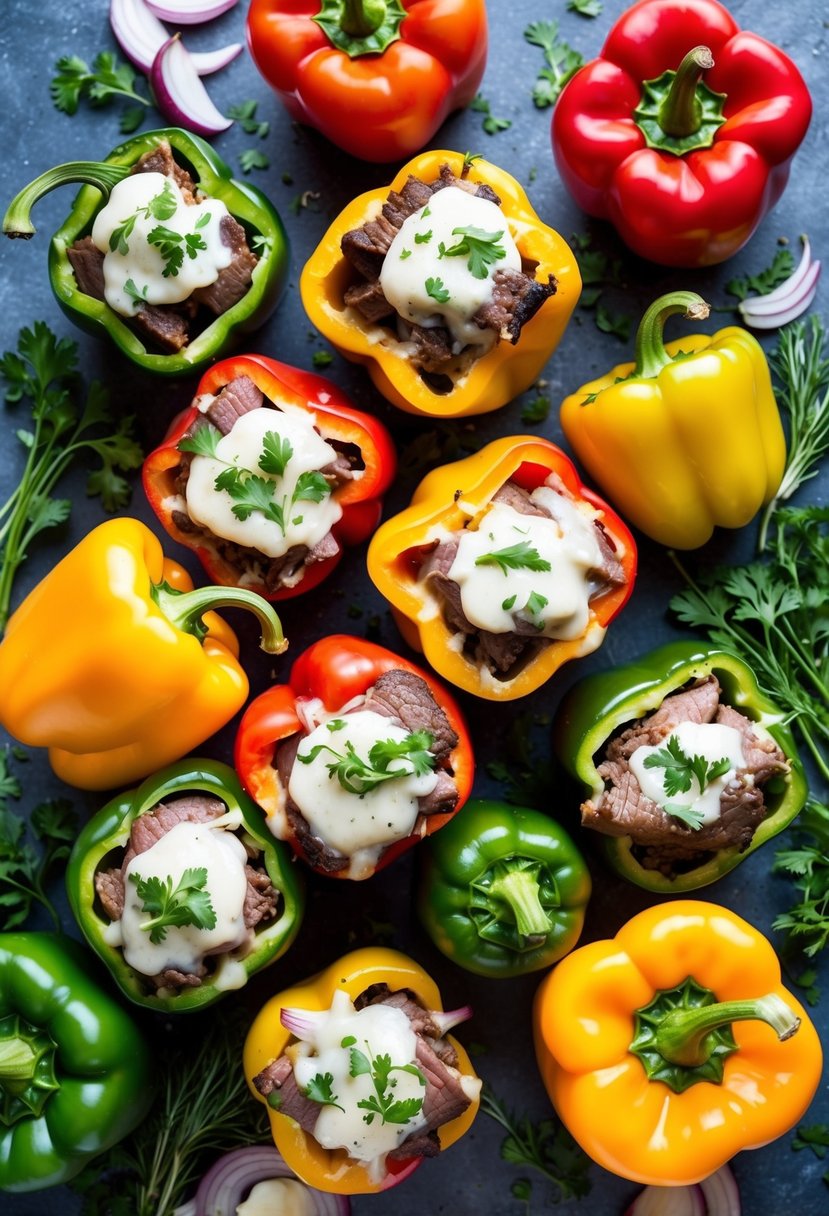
(686,438)
(332,1169)
(116,665)
(673,1046)
(504,371)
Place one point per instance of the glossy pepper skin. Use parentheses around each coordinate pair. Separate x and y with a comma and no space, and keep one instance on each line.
(602,1051)
(333,1170)
(601,704)
(75,1072)
(504,371)
(688,437)
(445,501)
(109,664)
(381,91)
(684,175)
(335,669)
(108,832)
(334,417)
(249,206)
(503,890)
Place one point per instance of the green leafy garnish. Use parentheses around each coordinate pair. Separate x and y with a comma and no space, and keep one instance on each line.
(174,245)
(535,606)
(546,1146)
(520,556)
(482,247)
(160,207)
(43,371)
(382,1103)
(405,253)
(807,864)
(253,158)
(491,124)
(188,903)
(276,454)
(509,602)
(561,59)
(681,769)
(319,1089)
(245,115)
(437,291)
(536,411)
(139,296)
(616,323)
(423,238)
(107,79)
(761,284)
(131,119)
(585,8)
(469,159)
(815,1138)
(202,441)
(359,776)
(322,358)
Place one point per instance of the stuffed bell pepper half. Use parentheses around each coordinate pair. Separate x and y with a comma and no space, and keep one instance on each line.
(686,766)
(504,567)
(447,286)
(359,1074)
(356,758)
(163,251)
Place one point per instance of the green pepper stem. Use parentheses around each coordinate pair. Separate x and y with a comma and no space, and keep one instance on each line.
(680,114)
(185,609)
(681,1036)
(17,220)
(17,1060)
(520,890)
(361,17)
(651,355)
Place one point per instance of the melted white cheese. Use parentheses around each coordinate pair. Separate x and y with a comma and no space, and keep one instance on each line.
(142,264)
(357,825)
(707,739)
(409,263)
(278,1197)
(555,601)
(187,846)
(377,1030)
(305,522)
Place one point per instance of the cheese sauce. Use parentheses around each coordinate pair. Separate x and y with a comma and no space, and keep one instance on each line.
(707,739)
(304,522)
(414,261)
(134,268)
(278,1197)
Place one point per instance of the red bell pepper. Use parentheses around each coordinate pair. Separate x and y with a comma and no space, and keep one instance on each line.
(377,77)
(335,669)
(360,498)
(684,168)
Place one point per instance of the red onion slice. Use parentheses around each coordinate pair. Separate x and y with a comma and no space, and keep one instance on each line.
(141,35)
(179,93)
(668,1201)
(721,1193)
(208,62)
(189,12)
(794,280)
(225,1184)
(763,313)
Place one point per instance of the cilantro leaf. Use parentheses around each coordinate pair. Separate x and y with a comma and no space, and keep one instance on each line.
(536,604)
(491,124)
(320,1089)
(322,358)
(381,1103)
(169,245)
(245,115)
(250,493)
(616,323)
(310,487)
(138,296)
(520,556)
(691,816)
(163,205)
(546,1146)
(437,291)
(585,8)
(188,903)
(359,1063)
(482,247)
(761,284)
(131,119)
(561,59)
(807,865)
(681,769)
(423,238)
(276,454)
(359,776)
(107,79)
(253,158)
(202,441)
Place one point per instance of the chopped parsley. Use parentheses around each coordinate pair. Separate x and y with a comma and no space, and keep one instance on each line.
(188,903)
(359,776)
(482,247)
(680,772)
(405,253)
(437,291)
(382,1103)
(423,238)
(521,556)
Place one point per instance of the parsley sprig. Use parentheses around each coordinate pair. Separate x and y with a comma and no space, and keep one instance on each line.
(807,864)
(481,247)
(359,776)
(160,207)
(173,246)
(186,903)
(782,265)
(382,1103)
(546,1146)
(681,770)
(106,80)
(491,124)
(43,372)
(561,59)
(320,1089)
(520,556)
(815,1138)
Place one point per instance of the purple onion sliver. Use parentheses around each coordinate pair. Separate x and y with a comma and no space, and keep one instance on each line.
(668,1201)
(721,1193)
(761,315)
(208,62)
(137,31)
(227,1182)
(451,1017)
(180,95)
(189,12)
(299,1022)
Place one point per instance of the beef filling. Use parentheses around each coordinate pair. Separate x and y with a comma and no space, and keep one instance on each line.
(171,326)
(516,298)
(405,699)
(503,653)
(444,1098)
(261,897)
(663,842)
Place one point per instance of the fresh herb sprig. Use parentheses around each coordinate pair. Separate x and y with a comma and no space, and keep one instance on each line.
(174,246)
(481,248)
(807,864)
(162,206)
(681,770)
(320,1089)
(359,776)
(599,271)
(815,1138)
(781,266)
(382,1104)
(43,372)
(168,906)
(491,124)
(106,80)
(562,61)
(546,1146)
(520,556)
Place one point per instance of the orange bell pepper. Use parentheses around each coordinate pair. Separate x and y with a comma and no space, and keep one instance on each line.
(504,371)
(117,665)
(446,501)
(673,1046)
(332,1169)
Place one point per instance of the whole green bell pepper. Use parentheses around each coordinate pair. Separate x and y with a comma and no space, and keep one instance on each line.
(245,203)
(503,889)
(601,704)
(75,1072)
(102,842)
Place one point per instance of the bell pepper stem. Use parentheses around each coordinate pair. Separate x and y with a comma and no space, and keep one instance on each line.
(185,609)
(519,889)
(17,1060)
(17,220)
(651,355)
(681,112)
(361,17)
(681,1037)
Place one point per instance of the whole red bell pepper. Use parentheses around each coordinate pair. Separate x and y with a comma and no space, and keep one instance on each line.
(360,498)
(377,77)
(335,670)
(684,167)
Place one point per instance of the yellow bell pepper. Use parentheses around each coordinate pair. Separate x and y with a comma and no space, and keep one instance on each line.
(686,438)
(673,1046)
(499,375)
(116,665)
(332,1169)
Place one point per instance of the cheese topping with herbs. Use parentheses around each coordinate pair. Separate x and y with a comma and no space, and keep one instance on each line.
(157,248)
(720,748)
(528,566)
(439,268)
(261,486)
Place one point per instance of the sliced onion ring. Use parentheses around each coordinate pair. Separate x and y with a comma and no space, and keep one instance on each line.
(179,93)
(721,1194)
(189,12)
(787,301)
(714,1196)
(140,35)
(226,1183)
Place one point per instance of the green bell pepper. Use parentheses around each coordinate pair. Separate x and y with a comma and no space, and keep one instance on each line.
(503,889)
(75,1072)
(244,202)
(101,845)
(601,704)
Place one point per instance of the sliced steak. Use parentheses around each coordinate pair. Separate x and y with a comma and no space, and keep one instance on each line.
(369,300)
(366,247)
(171,978)
(445,1098)
(323,550)
(406,696)
(109,887)
(237,398)
(278,1078)
(261,898)
(515,496)
(161,160)
(147,829)
(763,756)
(234,280)
(516,298)
(87,261)
(433,348)
(165,326)
(698,704)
